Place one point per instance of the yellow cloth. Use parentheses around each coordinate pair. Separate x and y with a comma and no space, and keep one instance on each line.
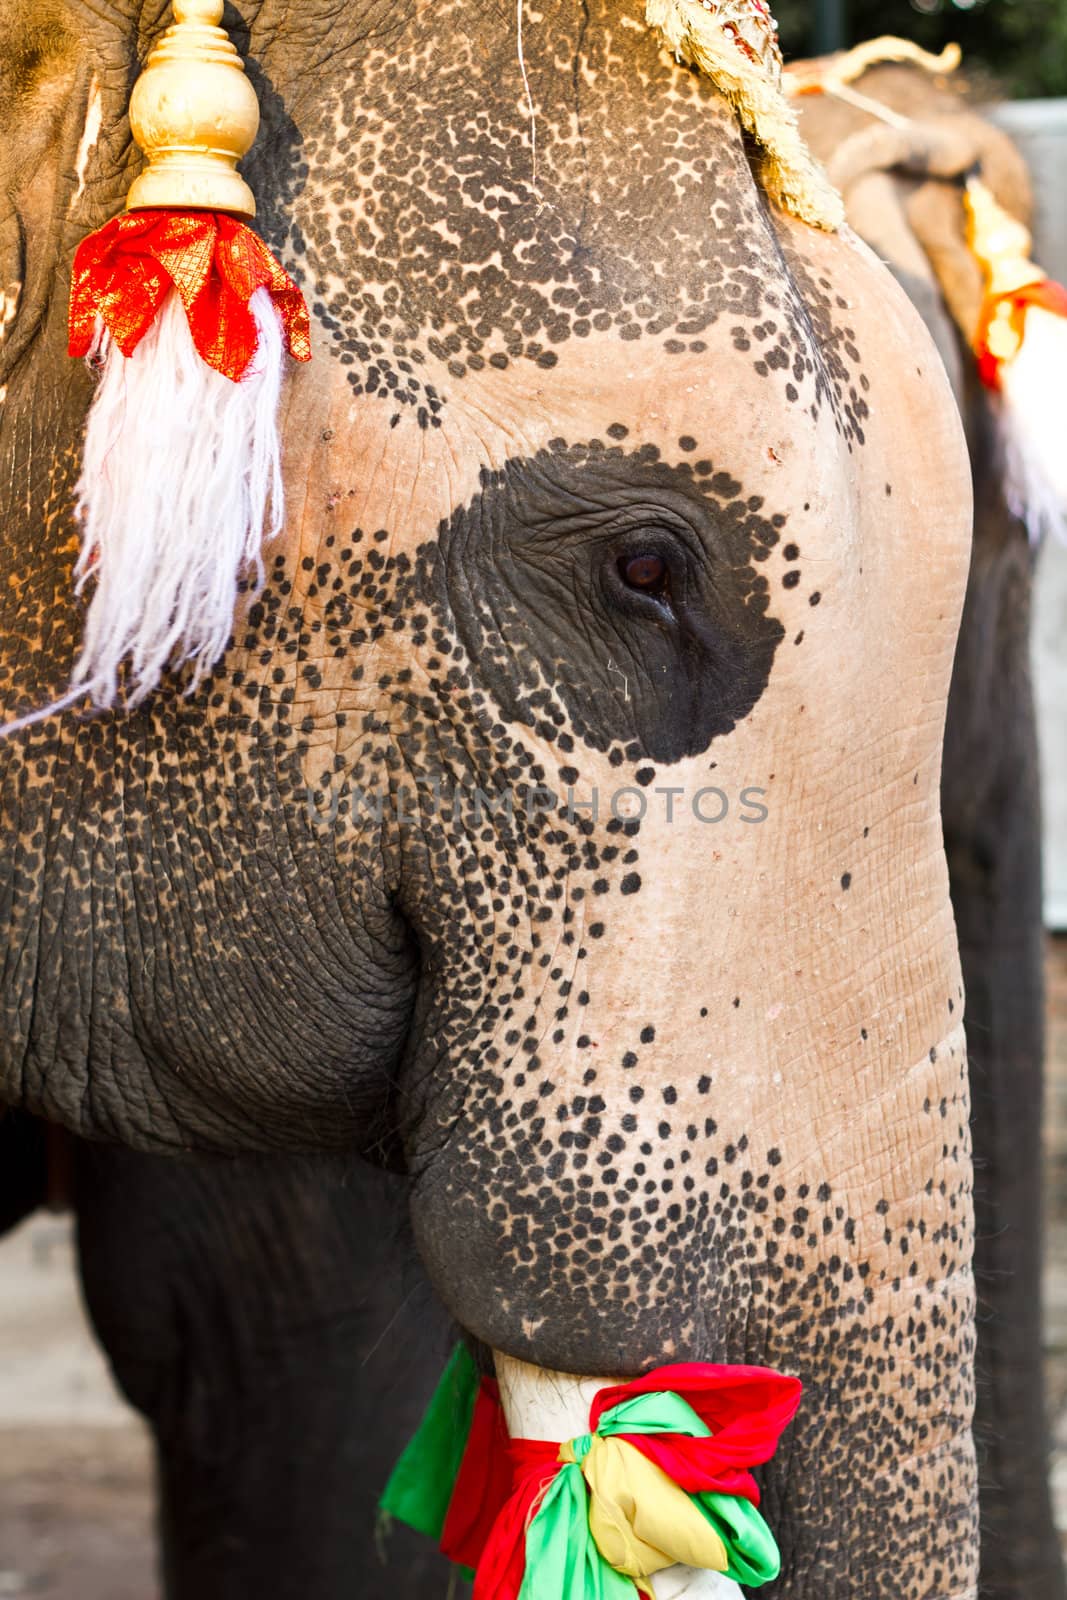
(641,1521)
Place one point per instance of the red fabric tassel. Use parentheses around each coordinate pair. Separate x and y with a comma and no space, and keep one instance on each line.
(502,1567)
(124,272)
(484,1482)
(1047,294)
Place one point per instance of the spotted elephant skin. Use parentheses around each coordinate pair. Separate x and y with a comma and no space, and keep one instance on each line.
(562,825)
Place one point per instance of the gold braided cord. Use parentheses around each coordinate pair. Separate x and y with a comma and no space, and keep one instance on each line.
(745,68)
(823,77)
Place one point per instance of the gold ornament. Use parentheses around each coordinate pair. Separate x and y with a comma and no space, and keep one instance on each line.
(831,74)
(194,114)
(1001,243)
(1002,246)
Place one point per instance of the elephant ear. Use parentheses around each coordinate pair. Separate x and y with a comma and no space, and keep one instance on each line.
(39,143)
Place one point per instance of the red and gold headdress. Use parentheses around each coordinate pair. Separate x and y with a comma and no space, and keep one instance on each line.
(188,318)
(188,321)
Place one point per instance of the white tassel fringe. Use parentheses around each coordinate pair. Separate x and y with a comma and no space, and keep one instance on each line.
(1033,426)
(181,485)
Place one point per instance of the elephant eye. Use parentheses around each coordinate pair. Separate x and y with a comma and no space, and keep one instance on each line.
(648,573)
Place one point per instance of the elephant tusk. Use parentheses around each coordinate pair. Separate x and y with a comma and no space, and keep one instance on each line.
(539,1404)
(694,1583)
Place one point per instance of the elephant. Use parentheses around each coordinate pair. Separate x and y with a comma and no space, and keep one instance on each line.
(990,817)
(269,1319)
(562,827)
(908,205)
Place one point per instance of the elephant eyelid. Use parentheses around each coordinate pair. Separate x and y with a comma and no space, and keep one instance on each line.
(659,523)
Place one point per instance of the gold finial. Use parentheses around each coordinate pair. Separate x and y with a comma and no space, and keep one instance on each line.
(194,114)
(1001,243)
(1002,246)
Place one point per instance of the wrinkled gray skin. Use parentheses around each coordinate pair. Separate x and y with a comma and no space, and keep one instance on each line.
(604,472)
(282,1340)
(271,1321)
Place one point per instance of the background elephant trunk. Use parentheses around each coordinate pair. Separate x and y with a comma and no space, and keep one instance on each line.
(992,840)
(904,195)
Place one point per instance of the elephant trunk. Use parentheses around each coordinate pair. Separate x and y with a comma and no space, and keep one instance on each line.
(875,1489)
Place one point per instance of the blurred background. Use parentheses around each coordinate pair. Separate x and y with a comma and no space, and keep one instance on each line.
(1018,46)
(75,1462)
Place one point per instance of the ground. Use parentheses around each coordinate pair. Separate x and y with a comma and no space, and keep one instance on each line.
(75,1463)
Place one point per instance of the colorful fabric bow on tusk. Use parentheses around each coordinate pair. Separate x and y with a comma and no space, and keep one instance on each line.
(661,1479)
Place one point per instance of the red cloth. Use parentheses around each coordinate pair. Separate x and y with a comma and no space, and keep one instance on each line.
(125,271)
(1047,294)
(501,1481)
(694,1464)
(502,1566)
(746,1409)
(484,1482)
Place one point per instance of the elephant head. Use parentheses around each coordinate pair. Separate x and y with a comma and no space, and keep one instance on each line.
(563,821)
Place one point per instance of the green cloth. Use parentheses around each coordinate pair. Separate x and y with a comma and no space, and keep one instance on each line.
(562,1557)
(661,1411)
(561,1554)
(751,1551)
(420,1485)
